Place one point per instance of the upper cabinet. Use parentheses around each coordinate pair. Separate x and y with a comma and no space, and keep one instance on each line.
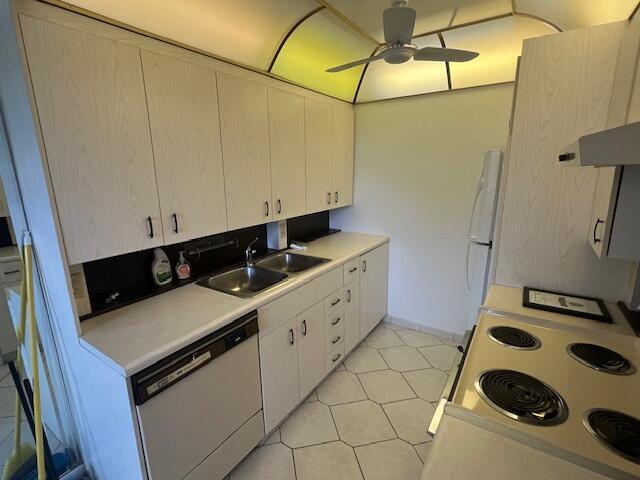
(90,99)
(287,144)
(244,122)
(342,157)
(319,131)
(185,131)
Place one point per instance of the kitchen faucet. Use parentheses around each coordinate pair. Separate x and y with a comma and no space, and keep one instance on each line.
(250,252)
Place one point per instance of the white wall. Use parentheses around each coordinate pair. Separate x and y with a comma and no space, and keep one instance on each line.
(417,161)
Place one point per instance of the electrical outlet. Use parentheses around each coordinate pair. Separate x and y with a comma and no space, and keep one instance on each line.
(76,284)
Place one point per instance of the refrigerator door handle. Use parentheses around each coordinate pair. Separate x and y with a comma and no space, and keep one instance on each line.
(475,206)
(466,269)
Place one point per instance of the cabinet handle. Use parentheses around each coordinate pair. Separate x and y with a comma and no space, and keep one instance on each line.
(304,327)
(595,227)
(266,209)
(291,339)
(364,265)
(328,198)
(336,358)
(150,221)
(175,222)
(565,157)
(333,304)
(336,340)
(351,270)
(349,296)
(279,204)
(336,197)
(335,322)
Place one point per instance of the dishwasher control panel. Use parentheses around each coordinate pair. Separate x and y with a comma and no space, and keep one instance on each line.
(167,372)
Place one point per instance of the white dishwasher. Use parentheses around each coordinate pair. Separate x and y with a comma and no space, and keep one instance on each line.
(200,409)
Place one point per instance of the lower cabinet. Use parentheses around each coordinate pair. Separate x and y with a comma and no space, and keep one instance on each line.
(352,335)
(374,268)
(328,317)
(280,374)
(310,324)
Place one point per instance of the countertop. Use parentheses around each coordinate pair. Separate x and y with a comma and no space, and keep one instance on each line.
(509,300)
(468,448)
(136,336)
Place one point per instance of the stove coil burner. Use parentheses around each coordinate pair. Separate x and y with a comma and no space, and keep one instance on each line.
(522,397)
(600,358)
(617,431)
(514,338)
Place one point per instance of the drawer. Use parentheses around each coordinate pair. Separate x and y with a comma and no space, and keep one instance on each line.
(335,358)
(333,302)
(282,309)
(335,339)
(336,319)
(351,270)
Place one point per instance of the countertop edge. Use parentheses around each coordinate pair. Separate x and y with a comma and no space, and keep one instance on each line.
(130,368)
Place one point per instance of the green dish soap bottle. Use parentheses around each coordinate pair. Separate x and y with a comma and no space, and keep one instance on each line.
(161,268)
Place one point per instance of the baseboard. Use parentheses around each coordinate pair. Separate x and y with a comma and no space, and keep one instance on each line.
(401,322)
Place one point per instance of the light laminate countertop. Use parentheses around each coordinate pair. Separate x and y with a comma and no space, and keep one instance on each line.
(134,337)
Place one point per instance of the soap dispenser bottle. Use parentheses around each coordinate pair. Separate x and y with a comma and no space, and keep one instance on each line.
(183,269)
(161,268)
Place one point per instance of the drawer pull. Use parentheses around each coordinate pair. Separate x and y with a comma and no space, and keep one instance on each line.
(337,301)
(351,270)
(304,327)
(336,340)
(266,209)
(328,198)
(349,296)
(336,358)
(335,322)
(175,222)
(364,265)
(279,204)
(291,338)
(336,197)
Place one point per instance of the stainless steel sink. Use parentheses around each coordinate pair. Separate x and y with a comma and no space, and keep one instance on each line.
(244,281)
(290,262)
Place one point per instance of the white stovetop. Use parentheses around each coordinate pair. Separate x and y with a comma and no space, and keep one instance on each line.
(581,387)
(138,335)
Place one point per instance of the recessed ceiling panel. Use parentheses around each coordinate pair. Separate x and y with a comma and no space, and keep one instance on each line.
(431,15)
(570,14)
(499,43)
(320,42)
(246,32)
(383,80)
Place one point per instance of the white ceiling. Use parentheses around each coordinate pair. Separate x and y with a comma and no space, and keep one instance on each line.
(261,34)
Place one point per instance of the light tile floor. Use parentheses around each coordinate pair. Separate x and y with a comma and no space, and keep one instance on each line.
(368,420)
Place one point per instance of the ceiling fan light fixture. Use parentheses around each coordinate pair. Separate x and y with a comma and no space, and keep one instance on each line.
(399,54)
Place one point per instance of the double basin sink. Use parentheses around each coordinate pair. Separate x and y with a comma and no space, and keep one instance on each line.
(248,281)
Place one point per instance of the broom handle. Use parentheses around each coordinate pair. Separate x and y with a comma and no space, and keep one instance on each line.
(48,459)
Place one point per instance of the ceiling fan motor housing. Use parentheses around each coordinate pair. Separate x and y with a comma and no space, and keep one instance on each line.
(399,53)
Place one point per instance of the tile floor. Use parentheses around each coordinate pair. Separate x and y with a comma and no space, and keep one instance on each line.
(368,420)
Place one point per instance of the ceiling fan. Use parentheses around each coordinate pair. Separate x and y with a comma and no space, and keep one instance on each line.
(398,22)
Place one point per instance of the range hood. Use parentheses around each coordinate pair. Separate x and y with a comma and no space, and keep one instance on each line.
(611,147)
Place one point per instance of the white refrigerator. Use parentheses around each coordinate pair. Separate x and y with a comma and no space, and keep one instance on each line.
(480,235)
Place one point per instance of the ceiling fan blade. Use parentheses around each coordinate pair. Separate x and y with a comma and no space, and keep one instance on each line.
(435,54)
(346,66)
(398,24)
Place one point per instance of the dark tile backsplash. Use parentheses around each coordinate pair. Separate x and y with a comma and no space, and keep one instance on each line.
(130,275)
(308,227)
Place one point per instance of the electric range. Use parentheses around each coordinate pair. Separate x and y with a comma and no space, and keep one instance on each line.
(573,388)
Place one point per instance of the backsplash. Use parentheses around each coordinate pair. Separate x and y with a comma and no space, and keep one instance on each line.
(308,227)
(129,276)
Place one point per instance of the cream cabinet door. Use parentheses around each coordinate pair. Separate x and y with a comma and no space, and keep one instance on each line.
(90,98)
(352,330)
(311,358)
(279,371)
(244,122)
(318,128)
(374,271)
(342,157)
(603,209)
(287,145)
(185,131)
